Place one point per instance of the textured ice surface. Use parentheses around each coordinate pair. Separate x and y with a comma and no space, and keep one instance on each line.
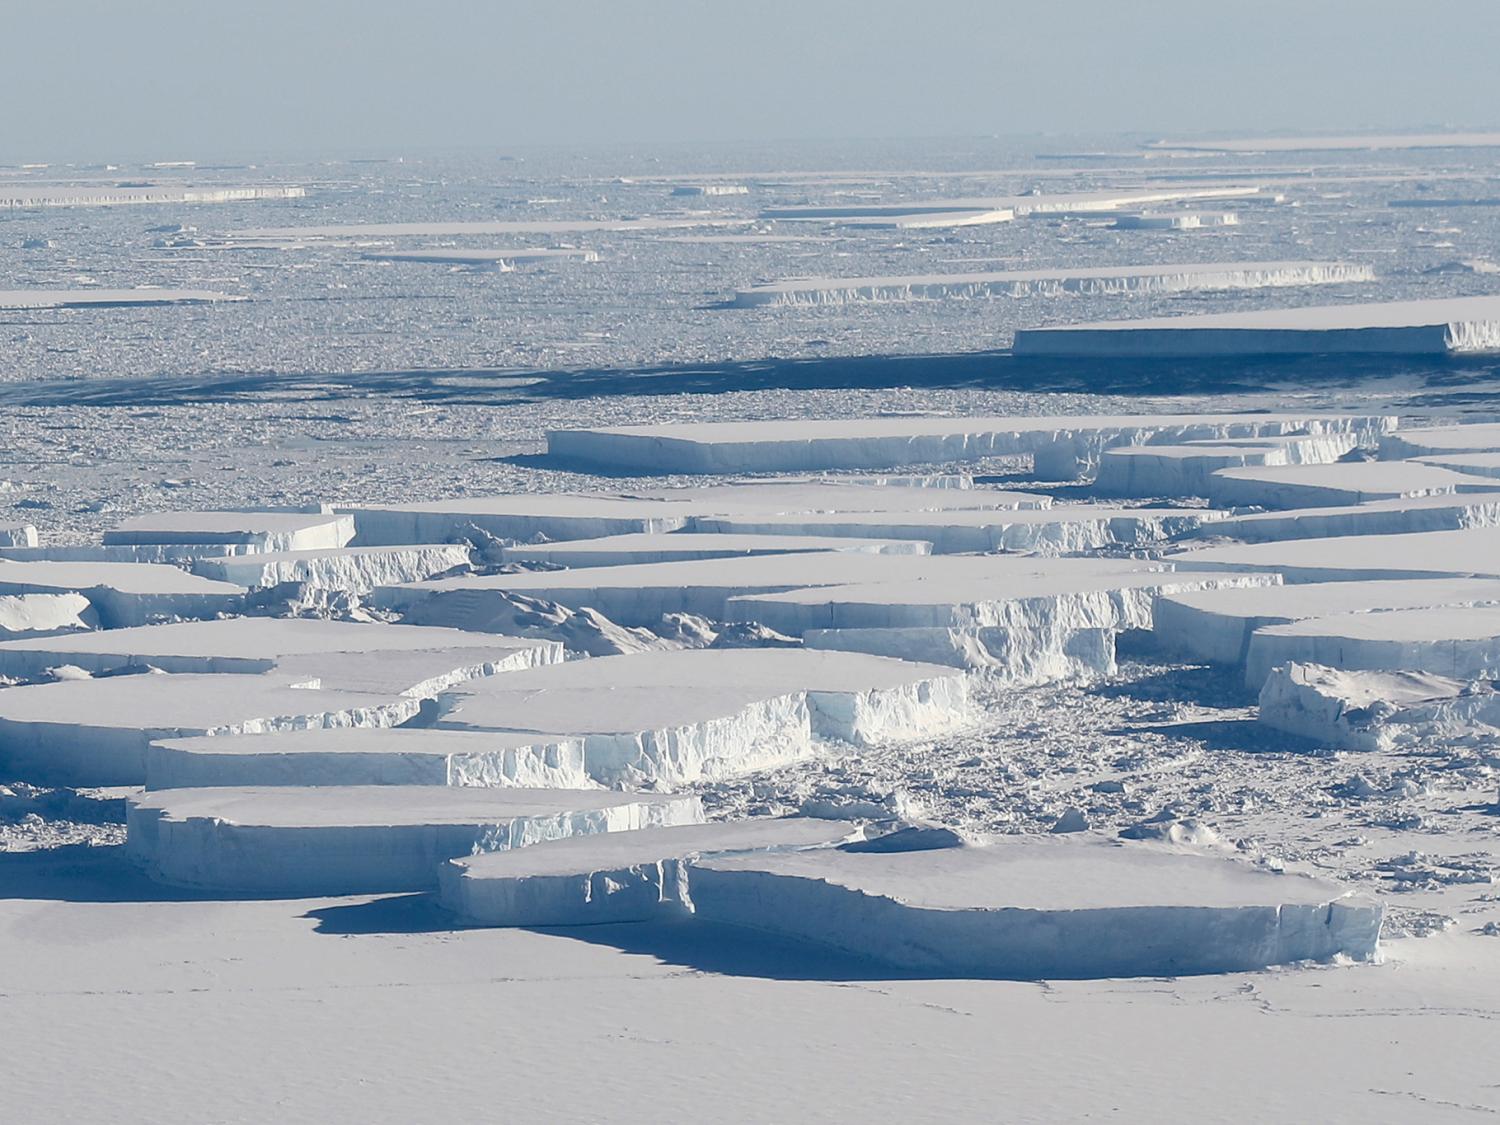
(1371,142)
(109,195)
(1462,642)
(1318,486)
(1216,625)
(952,212)
(618,877)
(1186,470)
(397,659)
(1017,283)
(261,531)
(95,732)
(1472,552)
(124,594)
(1430,327)
(42,615)
(482,259)
(1180,220)
(368,756)
(1040,908)
(342,568)
(1050,531)
(1063,447)
(629,550)
(290,840)
(107,298)
(1402,515)
(673,717)
(480,227)
(1377,711)
(17,535)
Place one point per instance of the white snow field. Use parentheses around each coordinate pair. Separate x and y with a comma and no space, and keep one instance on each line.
(613,877)
(1469,553)
(299,841)
(1425,327)
(23,196)
(483,259)
(124,594)
(1405,514)
(368,756)
(1470,464)
(17,535)
(1064,448)
(1018,283)
(687,546)
(1037,908)
(1376,712)
(95,731)
(673,717)
(1347,483)
(357,569)
(396,659)
(249,531)
(1048,531)
(1216,626)
(1186,470)
(1441,440)
(108,298)
(1459,642)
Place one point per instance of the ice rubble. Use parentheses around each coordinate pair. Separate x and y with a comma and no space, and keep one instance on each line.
(1018,283)
(1402,515)
(1215,626)
(124,594)
(1377,711)
(393,659)
(1039,908)
(344,568)
(107,298)
(1063,448)
(369,756)
(95,731)
(17,535)
(686,546)
(1187,470)
(1049,531)
(1461,642)
(1471,552)
(19,196)
(1427,327)
(339,840)
(675,717)
(254,531)
(618,877)
(1318,486)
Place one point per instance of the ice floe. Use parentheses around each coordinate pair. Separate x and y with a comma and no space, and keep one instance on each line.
(1471,552)
(253,531)
(108,298)
(628,550)
(1187,470)
(124,594)
(341,568)
(1320,486)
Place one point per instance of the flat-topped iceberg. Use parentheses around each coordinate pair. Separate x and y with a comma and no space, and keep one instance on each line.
(687,546)
(1471,553)
(258,531)
(1398,516)
(1187,470)
(125,594)
(1319,486)
(337,568)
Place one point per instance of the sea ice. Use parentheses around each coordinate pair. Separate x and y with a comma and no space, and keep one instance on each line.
(482,259)
(20,196)
(107,298)
(17,535)
(338,840)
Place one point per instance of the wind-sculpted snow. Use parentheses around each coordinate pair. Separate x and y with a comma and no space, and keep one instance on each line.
(356,839)
(1019,283)
(125,594)
(1188,470)
(343,568)
(1429,327)
(1064,448)
(618,877)
(1037,908)
(257,531)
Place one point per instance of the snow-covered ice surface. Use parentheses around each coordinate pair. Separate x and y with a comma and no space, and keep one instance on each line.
(1470,552)
(1405,514)
(259,531)
(125,594)
(339,568)
(628,550)
(12,299)
(1319,486)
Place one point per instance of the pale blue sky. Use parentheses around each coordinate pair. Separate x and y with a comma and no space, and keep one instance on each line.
(101,79)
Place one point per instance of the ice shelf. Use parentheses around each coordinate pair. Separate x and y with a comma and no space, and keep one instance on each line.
(629,550)
(1021,283)
(124,594)
(1186,470)
(1428,327)
(1470,553)
(336,840)
(675,717)
(393,659)
(1320,486)
(1216,625)
(369,756)
(1038,908)
(258,531)
(342,568)
(617,877)
(107,298)
(1064,448)
(1403,515)
(95,732)
(1462,642)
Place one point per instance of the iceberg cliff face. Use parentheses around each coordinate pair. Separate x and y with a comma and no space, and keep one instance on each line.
(17,535)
